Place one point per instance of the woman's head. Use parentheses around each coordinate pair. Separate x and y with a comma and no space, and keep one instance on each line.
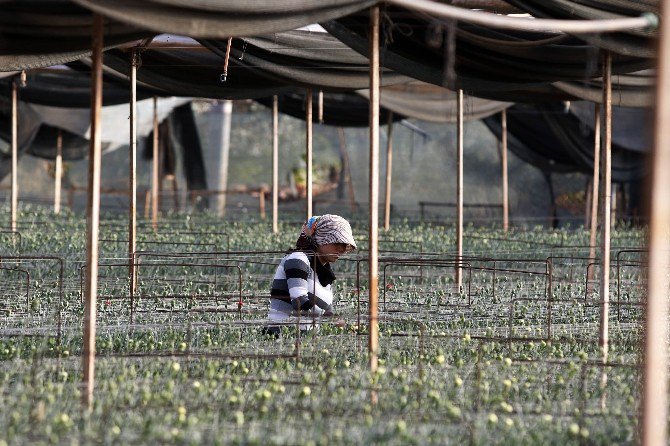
(328,235)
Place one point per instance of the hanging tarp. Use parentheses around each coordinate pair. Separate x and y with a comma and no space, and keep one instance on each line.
(221,19)
(494,64)
(431,103)
(38,33)
(304,58)
(554,139)
(339,109)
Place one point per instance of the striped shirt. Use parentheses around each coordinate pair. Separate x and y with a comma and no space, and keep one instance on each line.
(296,287)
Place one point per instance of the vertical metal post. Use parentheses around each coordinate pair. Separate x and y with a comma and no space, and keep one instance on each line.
(15,154)
(655,383)
(154,170)
(132,170)
(373,340)
(308,155)
(224,157)
(92,215)
(58,171)
(275,164)
(505,181)
(606,202)
(593,226)
(320,110)
(389,172)
(459,192)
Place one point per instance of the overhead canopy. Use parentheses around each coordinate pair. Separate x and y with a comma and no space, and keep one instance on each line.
(221,19)
(39,33)
(487,63)
(431,103)
(556,140)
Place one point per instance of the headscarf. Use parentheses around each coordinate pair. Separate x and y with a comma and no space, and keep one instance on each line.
(325,229)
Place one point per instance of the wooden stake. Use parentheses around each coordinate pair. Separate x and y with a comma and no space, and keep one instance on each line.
(308,155)
(373,336)
(275,164)
(389,172)
(606,202)
(93,216)
(58,171)
(655,383)
(15,155)
(154,171)
(505,181)
(459,192)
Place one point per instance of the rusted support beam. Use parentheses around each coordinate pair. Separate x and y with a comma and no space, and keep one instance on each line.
(505,181)
(605,227)
(308,155)
(15,155)
(459,191)
(58,171)
(154,170)
(275,164)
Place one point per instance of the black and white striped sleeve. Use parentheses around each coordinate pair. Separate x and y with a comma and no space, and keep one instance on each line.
(297,272)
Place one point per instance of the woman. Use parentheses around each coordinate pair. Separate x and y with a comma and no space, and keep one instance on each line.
(302,282)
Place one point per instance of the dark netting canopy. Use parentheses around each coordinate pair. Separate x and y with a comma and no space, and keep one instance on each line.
(42,33)
(496,64)
(221,19)
(558,140)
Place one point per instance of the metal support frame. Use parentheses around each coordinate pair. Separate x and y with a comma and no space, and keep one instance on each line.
(308,155)
(373,231)
(58,171)
(93,215)
(389,173)
(15,155)
(655,383)
(275,164)
(593,225)
(132,169)
(459,191)
(154,169)
(505,180)
(606,189)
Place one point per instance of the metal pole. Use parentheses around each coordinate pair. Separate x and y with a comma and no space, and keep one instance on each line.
(596,185)
(459,191)
(93,215)
(58,171)
(308,154)
(154,170)
(373,339)
(15,156)
(655,383)
(224,157)
(389,173)
(606,202)
(505,181)
(275,164)
(132,170)
(320,111)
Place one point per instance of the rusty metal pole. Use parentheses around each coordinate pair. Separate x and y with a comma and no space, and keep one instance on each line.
(93,216)
(15,156)
(655,383)
(459,192)
(275,164)
(373,232)
(593,226)
(606,203)
(389,173)
(154,170)
(320,110)
(132,170)
(58,171)
(308,155)
(505,181)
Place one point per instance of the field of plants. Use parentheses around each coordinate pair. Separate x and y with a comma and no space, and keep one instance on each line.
(512,357)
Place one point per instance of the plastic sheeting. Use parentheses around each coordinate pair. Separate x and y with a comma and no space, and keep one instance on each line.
(221,19)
